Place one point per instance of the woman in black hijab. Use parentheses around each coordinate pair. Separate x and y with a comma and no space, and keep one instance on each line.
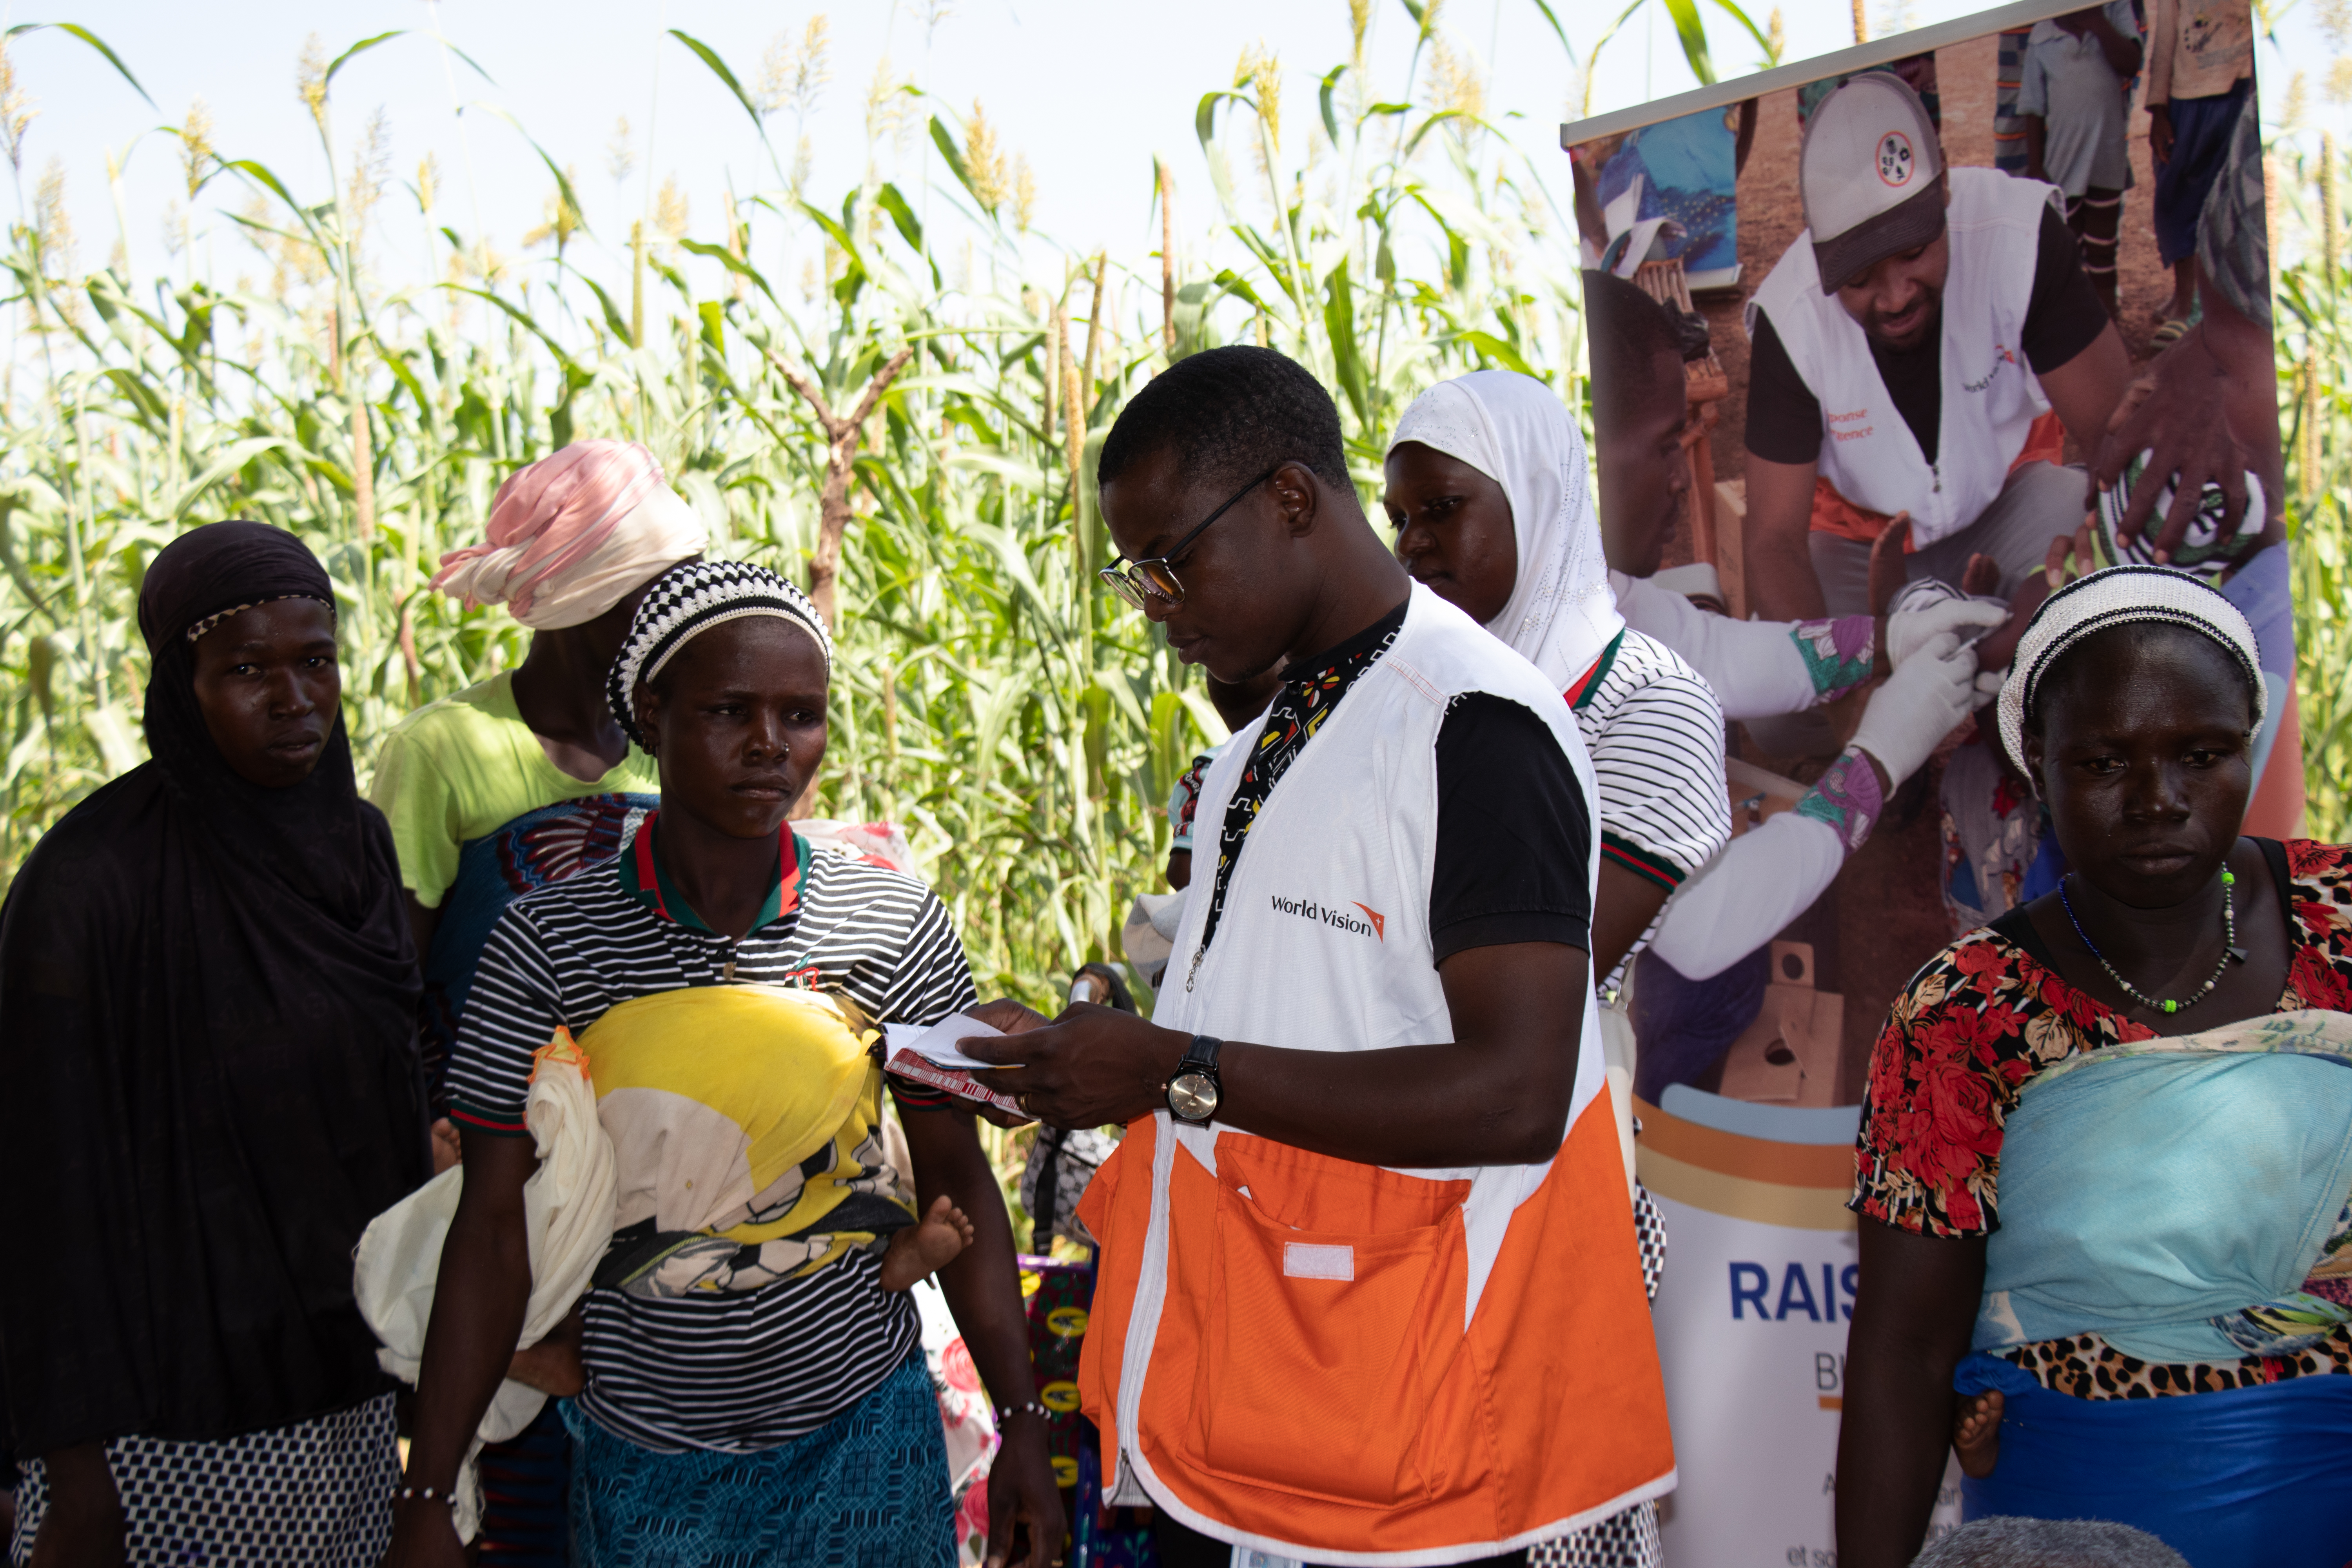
(207,1006)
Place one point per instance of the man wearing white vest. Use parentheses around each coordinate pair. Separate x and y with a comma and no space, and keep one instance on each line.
(1369,1290)
(1921,351)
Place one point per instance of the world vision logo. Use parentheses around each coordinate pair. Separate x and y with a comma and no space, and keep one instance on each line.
(1369,922)
(2001,355)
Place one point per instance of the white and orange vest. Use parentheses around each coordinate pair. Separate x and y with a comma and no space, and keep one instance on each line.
(1990,398)
(1324,1360)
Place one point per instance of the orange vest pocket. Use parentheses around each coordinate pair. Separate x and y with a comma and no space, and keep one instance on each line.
(1324,1346)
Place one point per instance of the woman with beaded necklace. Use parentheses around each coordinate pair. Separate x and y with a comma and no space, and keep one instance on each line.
(2107,1149)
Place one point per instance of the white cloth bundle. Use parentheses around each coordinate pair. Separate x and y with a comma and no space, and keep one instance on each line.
(568,1215)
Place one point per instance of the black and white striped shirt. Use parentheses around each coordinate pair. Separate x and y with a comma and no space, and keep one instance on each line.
(1654,730)
(735,1372)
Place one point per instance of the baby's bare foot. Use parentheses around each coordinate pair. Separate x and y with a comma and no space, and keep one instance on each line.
(1976,1435)
(921,1248)
(552,1365)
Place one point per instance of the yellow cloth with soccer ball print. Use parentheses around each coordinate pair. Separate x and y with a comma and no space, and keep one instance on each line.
(746,1122)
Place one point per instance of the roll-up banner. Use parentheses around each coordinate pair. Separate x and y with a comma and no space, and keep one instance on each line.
(1851,449)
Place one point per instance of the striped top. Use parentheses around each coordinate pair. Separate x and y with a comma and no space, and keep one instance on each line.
(1656,732)
(731,1371)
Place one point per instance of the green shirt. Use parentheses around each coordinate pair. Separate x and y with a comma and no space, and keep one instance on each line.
(466,767)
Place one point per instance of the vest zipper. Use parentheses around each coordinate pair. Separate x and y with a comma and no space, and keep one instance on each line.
(1125,1491)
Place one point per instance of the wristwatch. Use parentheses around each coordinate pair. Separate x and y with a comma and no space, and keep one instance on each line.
(1194,1091)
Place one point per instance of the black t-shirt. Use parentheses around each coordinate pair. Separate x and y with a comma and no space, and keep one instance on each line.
(2062,317)
(1513,833)
(1513,857)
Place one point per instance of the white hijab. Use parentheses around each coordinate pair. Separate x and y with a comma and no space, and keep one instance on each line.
(1514,430)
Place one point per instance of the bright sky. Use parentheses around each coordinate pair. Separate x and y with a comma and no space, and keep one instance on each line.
(1087,91)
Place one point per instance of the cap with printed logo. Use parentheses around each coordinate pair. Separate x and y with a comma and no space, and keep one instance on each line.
(1871,174)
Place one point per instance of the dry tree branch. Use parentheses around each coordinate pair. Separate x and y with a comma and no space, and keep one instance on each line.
(841,433)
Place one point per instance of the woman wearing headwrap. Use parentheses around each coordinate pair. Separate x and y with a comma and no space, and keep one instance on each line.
(521,780)
(752,1392)
(2107,1149)
(208,1028)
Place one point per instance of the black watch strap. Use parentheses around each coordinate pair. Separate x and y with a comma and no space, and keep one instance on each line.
(1201,1054)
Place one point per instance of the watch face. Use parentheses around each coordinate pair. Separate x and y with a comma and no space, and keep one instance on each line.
(1192,1096)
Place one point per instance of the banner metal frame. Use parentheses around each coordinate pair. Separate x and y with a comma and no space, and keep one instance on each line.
(1842,62)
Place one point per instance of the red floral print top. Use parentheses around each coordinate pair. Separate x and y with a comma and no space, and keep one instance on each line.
(1984,1015)
(1980,1019)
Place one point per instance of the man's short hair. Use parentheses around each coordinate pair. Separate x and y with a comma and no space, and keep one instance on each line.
(2048,1543)
(1228,414)
(1627,331)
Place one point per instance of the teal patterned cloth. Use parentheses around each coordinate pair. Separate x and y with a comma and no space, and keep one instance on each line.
(869,1490)
(2183,1197)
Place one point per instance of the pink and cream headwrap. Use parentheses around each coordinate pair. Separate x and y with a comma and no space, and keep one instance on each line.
(572,534)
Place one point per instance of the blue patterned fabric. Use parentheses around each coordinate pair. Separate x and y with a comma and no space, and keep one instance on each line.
(867,1491)
(540,846)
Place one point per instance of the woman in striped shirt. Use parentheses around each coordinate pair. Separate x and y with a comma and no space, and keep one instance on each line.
(763,1402)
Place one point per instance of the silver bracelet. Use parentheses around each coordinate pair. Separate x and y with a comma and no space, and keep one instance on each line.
(426,1494)
(1005,1412)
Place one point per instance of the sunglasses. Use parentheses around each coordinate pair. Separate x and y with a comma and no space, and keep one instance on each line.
(1142,582)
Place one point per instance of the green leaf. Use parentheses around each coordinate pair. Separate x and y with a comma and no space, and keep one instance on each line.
(1428,125)
(93,40)
(397,363)
(614,322)
(710,57)
(941,139)
(910,228)
(358,49)
(1232,282)
(563,185)
(833,228)
(227,461)
(1502,353)
(1340,325)
(1763,41)
(1693,33)
(714,323)
(733,263)
(1560,32)
(142,396)
(466,58)
(1331,119)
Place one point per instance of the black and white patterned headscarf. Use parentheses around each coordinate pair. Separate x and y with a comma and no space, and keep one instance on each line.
(689,599)
(2117,596)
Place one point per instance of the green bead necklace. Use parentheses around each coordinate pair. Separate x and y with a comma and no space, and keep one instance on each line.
(2230,950)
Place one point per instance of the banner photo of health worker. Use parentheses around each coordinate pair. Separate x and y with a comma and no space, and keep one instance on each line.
(1885,348)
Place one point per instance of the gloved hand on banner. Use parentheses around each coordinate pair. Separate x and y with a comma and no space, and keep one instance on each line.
(1923,701)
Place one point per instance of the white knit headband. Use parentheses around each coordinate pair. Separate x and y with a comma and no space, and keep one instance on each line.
(689,600)
(2117,596)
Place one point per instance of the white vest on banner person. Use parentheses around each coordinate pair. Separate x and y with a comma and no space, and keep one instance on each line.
(1990,398)
(1323,1359)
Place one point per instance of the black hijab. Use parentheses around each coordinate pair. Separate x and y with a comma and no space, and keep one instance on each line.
(208,1074)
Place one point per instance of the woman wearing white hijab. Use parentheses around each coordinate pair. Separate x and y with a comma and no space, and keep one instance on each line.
(1486,485)
(1460,530)
(1488,488)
